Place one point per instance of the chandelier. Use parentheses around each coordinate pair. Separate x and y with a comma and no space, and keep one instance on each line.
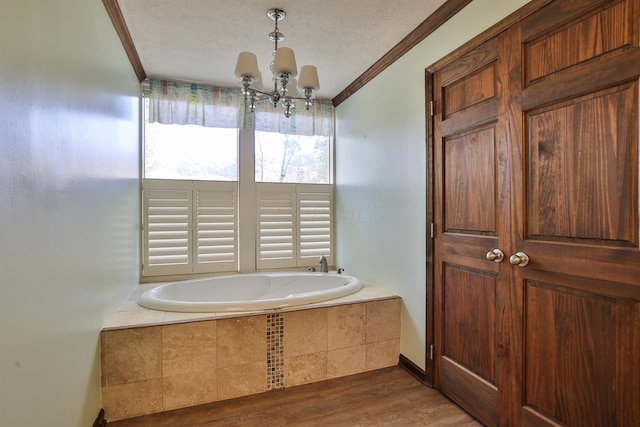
(284,70)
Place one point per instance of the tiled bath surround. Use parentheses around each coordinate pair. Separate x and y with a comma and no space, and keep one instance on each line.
(186,359)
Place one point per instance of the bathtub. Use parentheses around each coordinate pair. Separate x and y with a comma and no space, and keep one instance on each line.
(249,292)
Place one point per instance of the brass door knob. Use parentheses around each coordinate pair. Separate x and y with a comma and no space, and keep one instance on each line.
(495,255)
(520,259)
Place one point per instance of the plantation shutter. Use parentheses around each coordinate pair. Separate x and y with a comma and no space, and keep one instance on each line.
(276,219)
(192,226)
(167,239)
(216,226)
(315,222)
(294,224)
(189,227)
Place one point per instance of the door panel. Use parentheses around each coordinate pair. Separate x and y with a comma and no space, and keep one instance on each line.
(581,169)
(585,38)
(579,355)
(467,364)
(469,320)
(470,206)
(470,90)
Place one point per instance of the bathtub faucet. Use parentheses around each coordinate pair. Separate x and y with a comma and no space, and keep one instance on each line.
(324,268)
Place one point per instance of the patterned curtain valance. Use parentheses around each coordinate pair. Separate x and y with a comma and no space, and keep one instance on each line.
(189,103)
(193,104)
(318,121)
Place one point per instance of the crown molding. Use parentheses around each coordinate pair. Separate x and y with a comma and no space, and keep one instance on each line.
(115,13)
(432,23)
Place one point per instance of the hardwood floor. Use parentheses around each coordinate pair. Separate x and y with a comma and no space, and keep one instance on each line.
(386,397)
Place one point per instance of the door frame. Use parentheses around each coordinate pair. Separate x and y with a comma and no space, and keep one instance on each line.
(430,235)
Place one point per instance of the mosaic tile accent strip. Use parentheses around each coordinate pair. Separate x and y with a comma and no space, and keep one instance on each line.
(275,351)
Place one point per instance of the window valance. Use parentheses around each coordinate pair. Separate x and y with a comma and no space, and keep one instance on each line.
(182,103)
(193,104)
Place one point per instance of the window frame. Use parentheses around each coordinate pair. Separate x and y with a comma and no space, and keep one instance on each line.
(247,217)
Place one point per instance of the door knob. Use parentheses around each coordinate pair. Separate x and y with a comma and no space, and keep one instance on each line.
(520,259)
(495,255)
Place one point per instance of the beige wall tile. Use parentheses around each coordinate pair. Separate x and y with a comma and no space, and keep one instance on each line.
(382,354)
(132,400)
(346,326)
(195,388)
(132,355)
(151,369)
(188,347)
(383,320)
(241,341)
(242,380)
(305,332)
(346,361)
(305,369)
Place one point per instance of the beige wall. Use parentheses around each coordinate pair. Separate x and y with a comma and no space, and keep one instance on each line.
(68,204)
(380,171)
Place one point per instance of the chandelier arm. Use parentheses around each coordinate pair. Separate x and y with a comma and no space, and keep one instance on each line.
(267,94)
(299,98)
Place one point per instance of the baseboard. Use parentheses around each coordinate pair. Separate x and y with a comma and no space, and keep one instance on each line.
(416,371)
(100,421)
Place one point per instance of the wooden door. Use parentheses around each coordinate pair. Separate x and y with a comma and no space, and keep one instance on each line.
(536,153)
(575,308)
(468,221)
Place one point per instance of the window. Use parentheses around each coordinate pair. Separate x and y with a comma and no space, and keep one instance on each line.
(292,158)
(227,199)
(173,151)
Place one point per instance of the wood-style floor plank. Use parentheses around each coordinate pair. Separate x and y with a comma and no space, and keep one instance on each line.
(386,397)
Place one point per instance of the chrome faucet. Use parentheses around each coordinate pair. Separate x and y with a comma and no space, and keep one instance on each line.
(324,268)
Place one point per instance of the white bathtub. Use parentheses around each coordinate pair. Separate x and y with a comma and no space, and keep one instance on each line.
(248,292)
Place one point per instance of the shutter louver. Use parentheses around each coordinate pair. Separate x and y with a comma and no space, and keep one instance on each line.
(315,221)
(216,232)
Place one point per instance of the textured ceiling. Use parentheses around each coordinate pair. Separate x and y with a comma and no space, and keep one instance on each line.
(199,40)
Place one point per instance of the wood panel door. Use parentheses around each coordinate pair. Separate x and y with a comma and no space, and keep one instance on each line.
(536,153)
(468,219)
(574,169)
